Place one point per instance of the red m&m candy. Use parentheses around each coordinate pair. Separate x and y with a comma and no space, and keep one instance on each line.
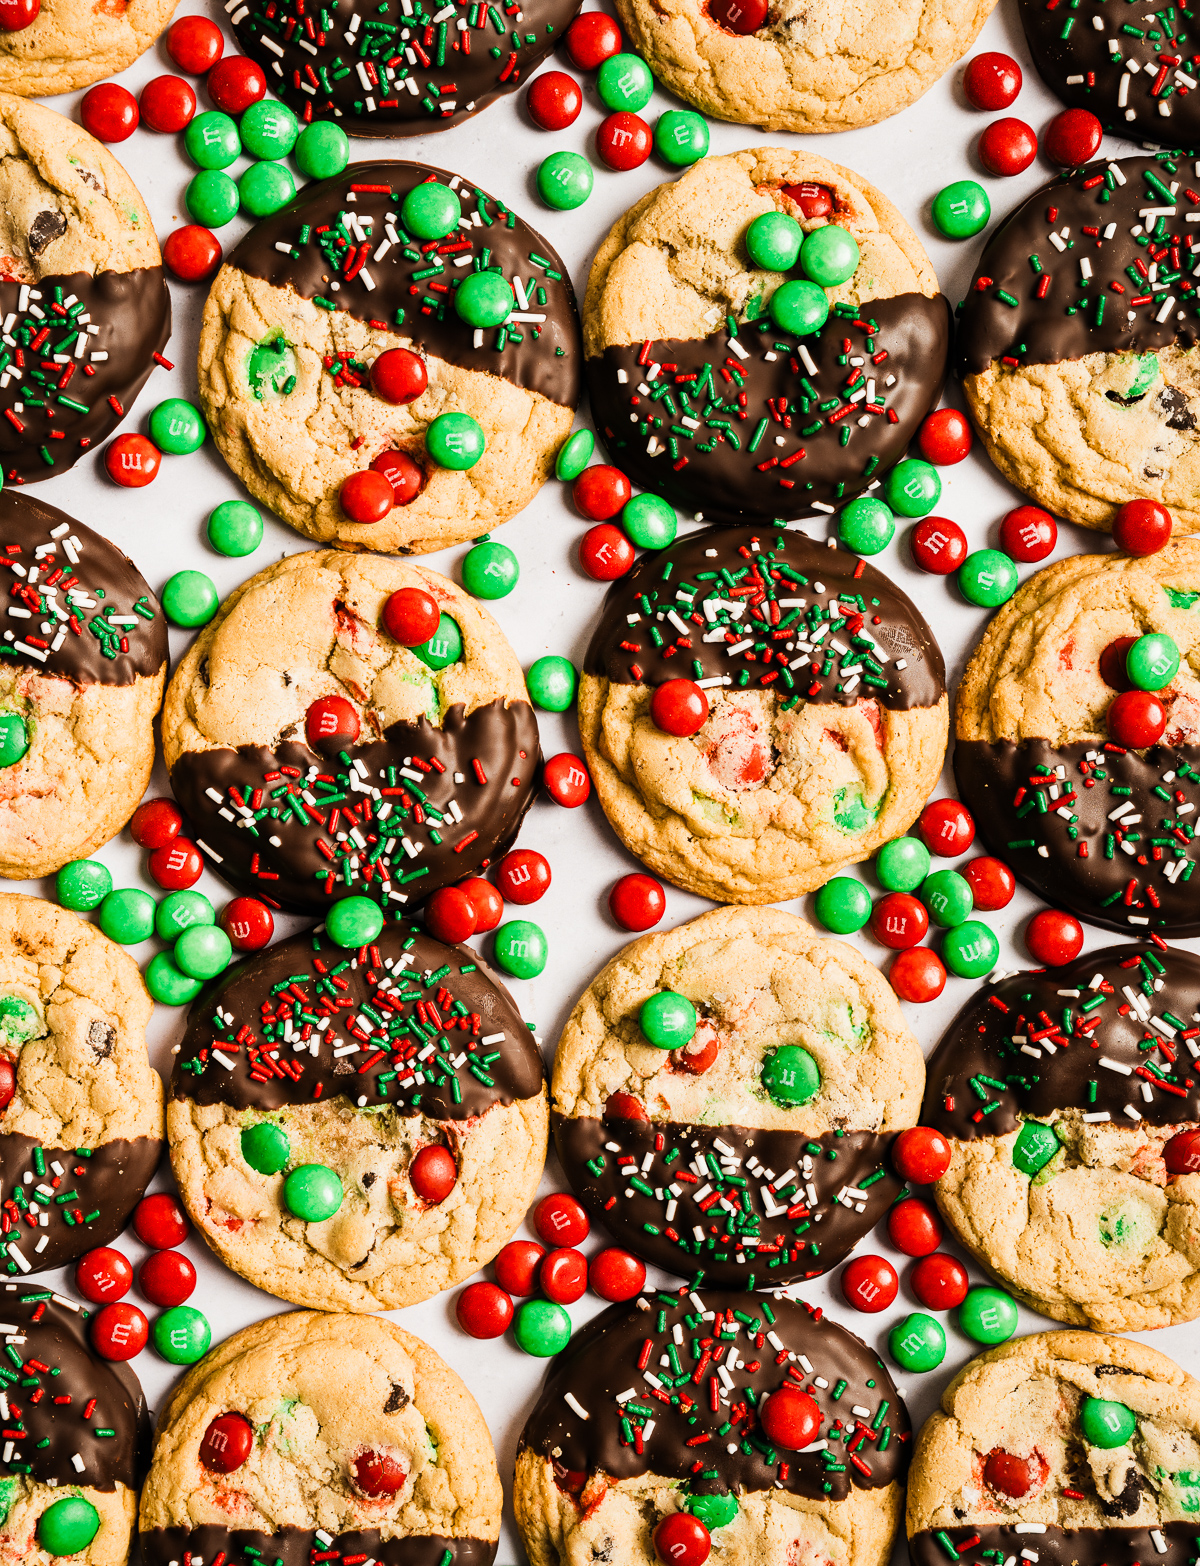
(159,1221)
(248,923)
(739,16)
(946,828)
(790,1418)
(605,552)
(813,200)
(194,43)
(483,1310)
(167,104)
(450,915)
(939,1282)
(616,1274)
(109,112)
(103,1275)
(486,903)
(600,492)
(918,974)
(119,1331)
(433,1174)
(1028,534)
(399,376)
(1007,147)
(411,616)
(227,1443)
(235,83)
(8,1083)
(1054,938)
(637,902)
(899,920)
(177,865)
(566,779)
(554,99)
(939,546)
(1114,669)
(1072,137)
(517,1266)
(132,461)
(560,1220)
(192,252)
(945,437)
(992,883)
(155,822)
(1008,1474)
(167,1278)
(378,1475)
(682,1540)
(1142,527)
(623,1106)
(17,15)
(1136,719)
(992,81)
(592,38)
(623,141)
(869,1283)
(679,707)
(366,496)
(563,1275)
(402,472)
(331,724)
(523,875)
(914,1227)
(921,1155)
(1182,1153)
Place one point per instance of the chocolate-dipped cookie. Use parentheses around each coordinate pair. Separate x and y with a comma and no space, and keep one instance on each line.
(779,1431)
(1098,827)
(81,1110)
(82,295)
(1070,1101)
(299,395)
(403,1075)
(725,1095)
(83,661)
(703,397)
(316,1433)
(827,712)
(76,1438)
(1074,341)
(319,758)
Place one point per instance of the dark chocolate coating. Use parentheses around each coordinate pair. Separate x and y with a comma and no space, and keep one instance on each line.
(1049,330)
(294,1547)
(1093,887)
(28,524)
(884,613)
(601,1362)
(548,363)
(133,312)
(833,1228)
(113,1182)
(468,81)
(726,485)
(978,1045)
(1064,43)
(1060,1546)
(504,739)
(244,989)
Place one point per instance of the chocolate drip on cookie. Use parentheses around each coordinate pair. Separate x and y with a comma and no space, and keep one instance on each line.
(427,1028)
(1167,1544)
(342,244)
(300,830)
(297,1547)
(754,424)
(1030,301)
(771,608)
(1102,831)
(743,1206)
(610,1405)
(77,352)
(1113,1035)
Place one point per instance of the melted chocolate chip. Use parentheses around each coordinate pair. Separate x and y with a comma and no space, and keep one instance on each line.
(397,1399)
(101,1037)
(46,226)
(295,1546)
(1059,1546)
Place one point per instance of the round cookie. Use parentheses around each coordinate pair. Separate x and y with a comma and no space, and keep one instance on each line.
(85,1117)
(827,712)
(610,1449)
(73,43)
(313,295)
(83,661)
(362,1442)
(82,293)
(77,1436)
(1059,1091)
(1073,343)
(844,64)
(686,369)
(755,1151)
(1076,1447)
(1089,826)
(300,826)
(357,1061)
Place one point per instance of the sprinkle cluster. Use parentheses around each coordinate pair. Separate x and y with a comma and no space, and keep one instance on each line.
(1146,49)
(36,1200)
(24,1376)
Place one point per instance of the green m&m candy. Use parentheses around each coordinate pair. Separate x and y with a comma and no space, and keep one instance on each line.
(773,241)
(83,884)
(948,897)
(312,1192)
(266,1147)
(918,1342)
(455,440)
(190,598)
(14,739)
(178,911)
(430,211)
(799,307)
(268,129)
(182,1335)
(902,864)
(353,922)
(490,571)
(203,951)
(625,81)
(542,1328)
(235,528)
(574,456)
(212,198)
(551,681)
(68,1526)
(960,210)
(791,1076)
(1152,661)
(714,1511)
(988,578)
(168,983)
(127,916)
(866,525)
(650,522)
(444,647)
(212,140)
(1106,1425)
(264,188)
(176,427)
(668,1020)
(521,948)
(988,1315)
(322,149)
(970,950)
(1035,1146)
(484,299)
(913,487)
(564,180)
(843,905)
(829,255)
(681,137)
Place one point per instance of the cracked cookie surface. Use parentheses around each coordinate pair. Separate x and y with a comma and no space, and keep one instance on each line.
(73,43)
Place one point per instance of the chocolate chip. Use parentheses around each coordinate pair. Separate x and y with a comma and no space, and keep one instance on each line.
(1130,1498)
(102,1037)
(47,226)
(1174,404)
(397,1399)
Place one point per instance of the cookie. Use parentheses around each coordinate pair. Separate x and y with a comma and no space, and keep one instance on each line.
(1069,1098)
(1071,1447)
(340,1435)
(424,71)
(81,1110)
(754,1151)
(83,661)
(611,1450)
(696,391)
(313,296)
(71,44)
(82,294)
(1073,342)
(308,1055)
(789,67)
(300,736)
(1087,824)
(77,1438)
(827,712)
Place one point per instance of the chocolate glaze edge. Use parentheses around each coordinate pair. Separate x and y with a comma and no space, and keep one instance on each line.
(293,1546)
(1118,1546)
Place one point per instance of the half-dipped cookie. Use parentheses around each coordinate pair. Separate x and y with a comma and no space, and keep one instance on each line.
(725,1096)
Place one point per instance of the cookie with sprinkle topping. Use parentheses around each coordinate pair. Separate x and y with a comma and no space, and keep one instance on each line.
(370,262)
(664,1406)
(826,702)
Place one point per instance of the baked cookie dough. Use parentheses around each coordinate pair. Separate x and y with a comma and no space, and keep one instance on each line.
(313,295)
(755,1152)
(357,1062)
(83,660)
(1060,1093)
(607,1454)
(84,304)
(303,644)
(313,1433)
(827,712)
(702,398)
(802,68)
(1077,342)
(78,1436)
(81,1110)
(1106,832)
(73,43)
(1072,1446)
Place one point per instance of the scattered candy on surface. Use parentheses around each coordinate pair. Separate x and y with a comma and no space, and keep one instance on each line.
(917,974)
(921,1155)
(869,1283)
(109,112)
(1007,147)
(1053,938)
(566,780)
(992,81)
(938,545)
(961,210)
(483,1310)
(988,1315)
(1072,138)
(1142,527)
(637,902)
(945,437)
(554,100)
(1028,534)
(939,1281)
(918,1342)
(843,905)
